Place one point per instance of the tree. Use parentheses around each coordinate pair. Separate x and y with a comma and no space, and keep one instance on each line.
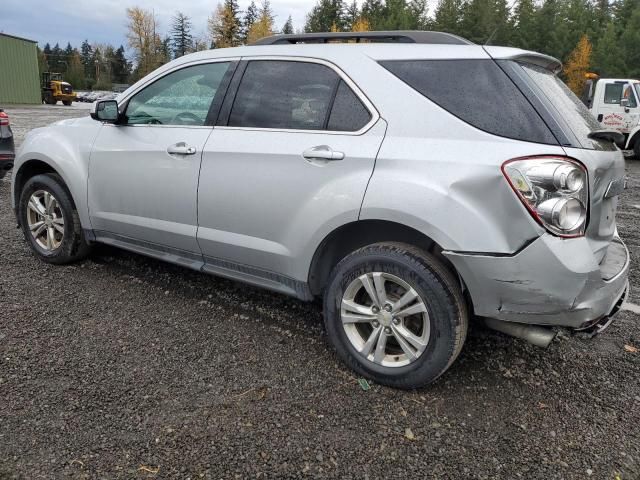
(86,54)
(120,67)
(224,25)
(578,65)
(325,16)
(608,58)
(250,17)
(75,71)
(43,66)
(144,40)
(630,42)
(181,38)
(524,33)
(263,26)
(373,11)
(486,21)
(361,25)
(419,15)
(448,16)
(287,28)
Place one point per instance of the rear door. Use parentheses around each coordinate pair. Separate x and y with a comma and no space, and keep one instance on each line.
(290,158)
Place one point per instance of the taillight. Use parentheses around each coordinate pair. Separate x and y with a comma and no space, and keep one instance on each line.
(4,119)
(555,191)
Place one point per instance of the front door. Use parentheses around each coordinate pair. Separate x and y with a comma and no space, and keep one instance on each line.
(143,174)
(292,158)
(611,112)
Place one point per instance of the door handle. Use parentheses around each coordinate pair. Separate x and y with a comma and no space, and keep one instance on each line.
(181,148)
(322,152)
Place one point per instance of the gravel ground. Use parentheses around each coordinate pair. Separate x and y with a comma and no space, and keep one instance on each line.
(125,367)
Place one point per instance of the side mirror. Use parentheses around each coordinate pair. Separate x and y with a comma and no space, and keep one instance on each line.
(106,111)
(624,102)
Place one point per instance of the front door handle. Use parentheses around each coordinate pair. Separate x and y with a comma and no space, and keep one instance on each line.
(181,148)
(322,152)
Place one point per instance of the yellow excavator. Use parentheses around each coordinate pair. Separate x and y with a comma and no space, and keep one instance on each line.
(55,89)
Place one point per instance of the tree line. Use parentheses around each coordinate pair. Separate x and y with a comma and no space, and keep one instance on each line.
(596,35)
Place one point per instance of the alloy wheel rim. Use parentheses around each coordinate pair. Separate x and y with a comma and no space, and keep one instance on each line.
(45,220)
(385,319)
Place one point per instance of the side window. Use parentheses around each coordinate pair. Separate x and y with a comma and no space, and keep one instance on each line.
(478,92)
(348,113)
(628,94)
(182,97)
(613,93)
(284,94)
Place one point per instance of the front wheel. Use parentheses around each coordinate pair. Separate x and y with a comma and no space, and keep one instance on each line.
(66,102)
(50,222)
(636,149)
(395,314)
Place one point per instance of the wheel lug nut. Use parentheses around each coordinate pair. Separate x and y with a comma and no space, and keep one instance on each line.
(396,321)
(375,324)
(387,308)
(387,330)
(375,309)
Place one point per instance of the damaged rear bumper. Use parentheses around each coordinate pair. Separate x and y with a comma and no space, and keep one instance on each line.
(552,281)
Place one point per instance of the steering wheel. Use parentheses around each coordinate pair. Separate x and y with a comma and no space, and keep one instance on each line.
(187,118)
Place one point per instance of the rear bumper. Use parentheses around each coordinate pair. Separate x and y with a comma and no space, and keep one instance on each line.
(6,162)
(552,281)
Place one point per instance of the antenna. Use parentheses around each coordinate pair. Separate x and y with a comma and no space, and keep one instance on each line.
(495,30)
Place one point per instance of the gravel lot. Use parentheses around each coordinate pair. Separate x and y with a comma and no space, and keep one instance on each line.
(125,367)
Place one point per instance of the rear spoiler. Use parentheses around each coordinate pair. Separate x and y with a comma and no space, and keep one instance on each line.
(506,53)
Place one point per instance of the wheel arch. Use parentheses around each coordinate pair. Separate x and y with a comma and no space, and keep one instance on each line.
(634,137)
(352,236)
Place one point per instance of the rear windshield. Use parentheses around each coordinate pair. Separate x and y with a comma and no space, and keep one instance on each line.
(478,92)
(566,106)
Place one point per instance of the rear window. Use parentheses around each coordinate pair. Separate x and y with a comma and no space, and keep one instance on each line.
(478,92)
(567,106)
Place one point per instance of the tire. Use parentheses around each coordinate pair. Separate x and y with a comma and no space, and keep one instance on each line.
(435,286)
(66,102)
(636,149)
(68,243)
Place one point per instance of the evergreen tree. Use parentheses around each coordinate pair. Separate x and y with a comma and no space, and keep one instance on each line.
(120,66)
(263,26)
(373,11)
(287,28)
(351,15)
(225,28)
(419,14)
(448,16)
(608,58)
(75,71)
(630,45)
(86,55)
(396,16)
(524,24)
(326,15)
(250,17)
(181,38)
(43,65)
(486,21)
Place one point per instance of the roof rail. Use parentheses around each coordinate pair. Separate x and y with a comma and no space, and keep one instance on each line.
(399,36)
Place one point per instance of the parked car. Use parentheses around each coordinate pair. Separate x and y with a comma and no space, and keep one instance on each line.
(615,102)
(7,150)
(412,180)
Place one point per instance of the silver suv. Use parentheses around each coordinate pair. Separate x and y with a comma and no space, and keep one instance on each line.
(412,180)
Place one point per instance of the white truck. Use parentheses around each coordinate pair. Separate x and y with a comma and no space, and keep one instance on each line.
(615,103)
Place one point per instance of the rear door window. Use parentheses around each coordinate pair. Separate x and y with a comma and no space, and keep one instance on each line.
(478,92)
(348,114)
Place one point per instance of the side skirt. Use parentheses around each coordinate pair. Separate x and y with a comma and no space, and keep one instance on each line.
(211,265)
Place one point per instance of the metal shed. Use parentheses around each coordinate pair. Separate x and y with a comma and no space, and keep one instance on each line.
(19,77)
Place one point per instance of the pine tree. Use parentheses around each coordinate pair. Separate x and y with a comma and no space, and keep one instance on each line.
(630,45)
(86,54)
(43,65)
(486,21)
(396,16)
(524,25)
(419,15)
(250,17)
(608,58)
(578,65)
(75,71)
(448,16)
(325,15)
(181,38)
(287,28)
(351,15)
(263,26)
(225,28)
(120,67)
(373,11)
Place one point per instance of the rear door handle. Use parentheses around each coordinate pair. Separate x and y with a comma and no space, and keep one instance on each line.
(181,148)
(322,152)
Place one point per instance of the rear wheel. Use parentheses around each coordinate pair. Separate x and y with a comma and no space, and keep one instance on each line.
(395,314)
(636,149)
(66,102)
(50,221)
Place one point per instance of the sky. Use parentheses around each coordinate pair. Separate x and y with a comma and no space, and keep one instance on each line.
(104,21)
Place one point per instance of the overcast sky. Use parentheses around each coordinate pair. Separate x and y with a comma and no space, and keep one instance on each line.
(104,21)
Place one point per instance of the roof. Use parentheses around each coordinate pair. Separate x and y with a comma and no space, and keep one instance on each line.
(17,38)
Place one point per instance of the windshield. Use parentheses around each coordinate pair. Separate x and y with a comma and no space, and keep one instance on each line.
(567,106)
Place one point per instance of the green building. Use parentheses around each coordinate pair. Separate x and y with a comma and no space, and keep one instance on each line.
(19,75)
